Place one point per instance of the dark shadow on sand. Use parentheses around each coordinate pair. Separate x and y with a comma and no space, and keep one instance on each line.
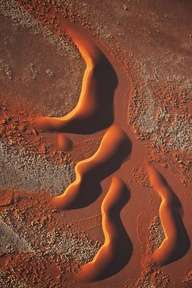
(122,246)
(183,241)
(90,188)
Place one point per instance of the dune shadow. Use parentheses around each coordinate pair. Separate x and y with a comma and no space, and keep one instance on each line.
(122,246)
(183,241)
(90,187)
(96,112)
(177,242)
(106,81)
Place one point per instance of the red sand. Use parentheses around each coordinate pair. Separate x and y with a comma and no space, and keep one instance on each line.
(109,259)
(113,150)
(86,118)
(176,242)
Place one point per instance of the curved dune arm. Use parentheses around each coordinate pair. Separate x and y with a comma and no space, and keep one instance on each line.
(94,109)
(113,150)
(176,242)
(106,259)
(90,53)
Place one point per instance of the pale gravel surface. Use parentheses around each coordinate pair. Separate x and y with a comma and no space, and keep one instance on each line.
(70,246)
(10,242)
(22,17)
(149,68)
(156,234)
(164,61)
(155,121)
(38,79)
(7,280)
(24,171)
(151,121)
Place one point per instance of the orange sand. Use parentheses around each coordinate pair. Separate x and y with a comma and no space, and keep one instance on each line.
(107,256)
(113,150)
(96,110)
(176,242)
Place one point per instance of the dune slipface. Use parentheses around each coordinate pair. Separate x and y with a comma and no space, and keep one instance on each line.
(176,242)
(113,150)
(111,257)
(94,109)
(152,106)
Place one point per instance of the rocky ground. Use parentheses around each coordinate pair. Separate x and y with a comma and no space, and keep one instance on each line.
(40,74)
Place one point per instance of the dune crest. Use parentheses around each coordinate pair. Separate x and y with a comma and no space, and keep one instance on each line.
(94,109)
(113,150)
(117,249)
(176,242)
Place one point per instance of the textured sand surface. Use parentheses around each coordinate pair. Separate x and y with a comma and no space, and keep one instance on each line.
(147,45)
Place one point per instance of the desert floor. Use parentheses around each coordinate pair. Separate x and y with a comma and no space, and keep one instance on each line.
(102,199)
